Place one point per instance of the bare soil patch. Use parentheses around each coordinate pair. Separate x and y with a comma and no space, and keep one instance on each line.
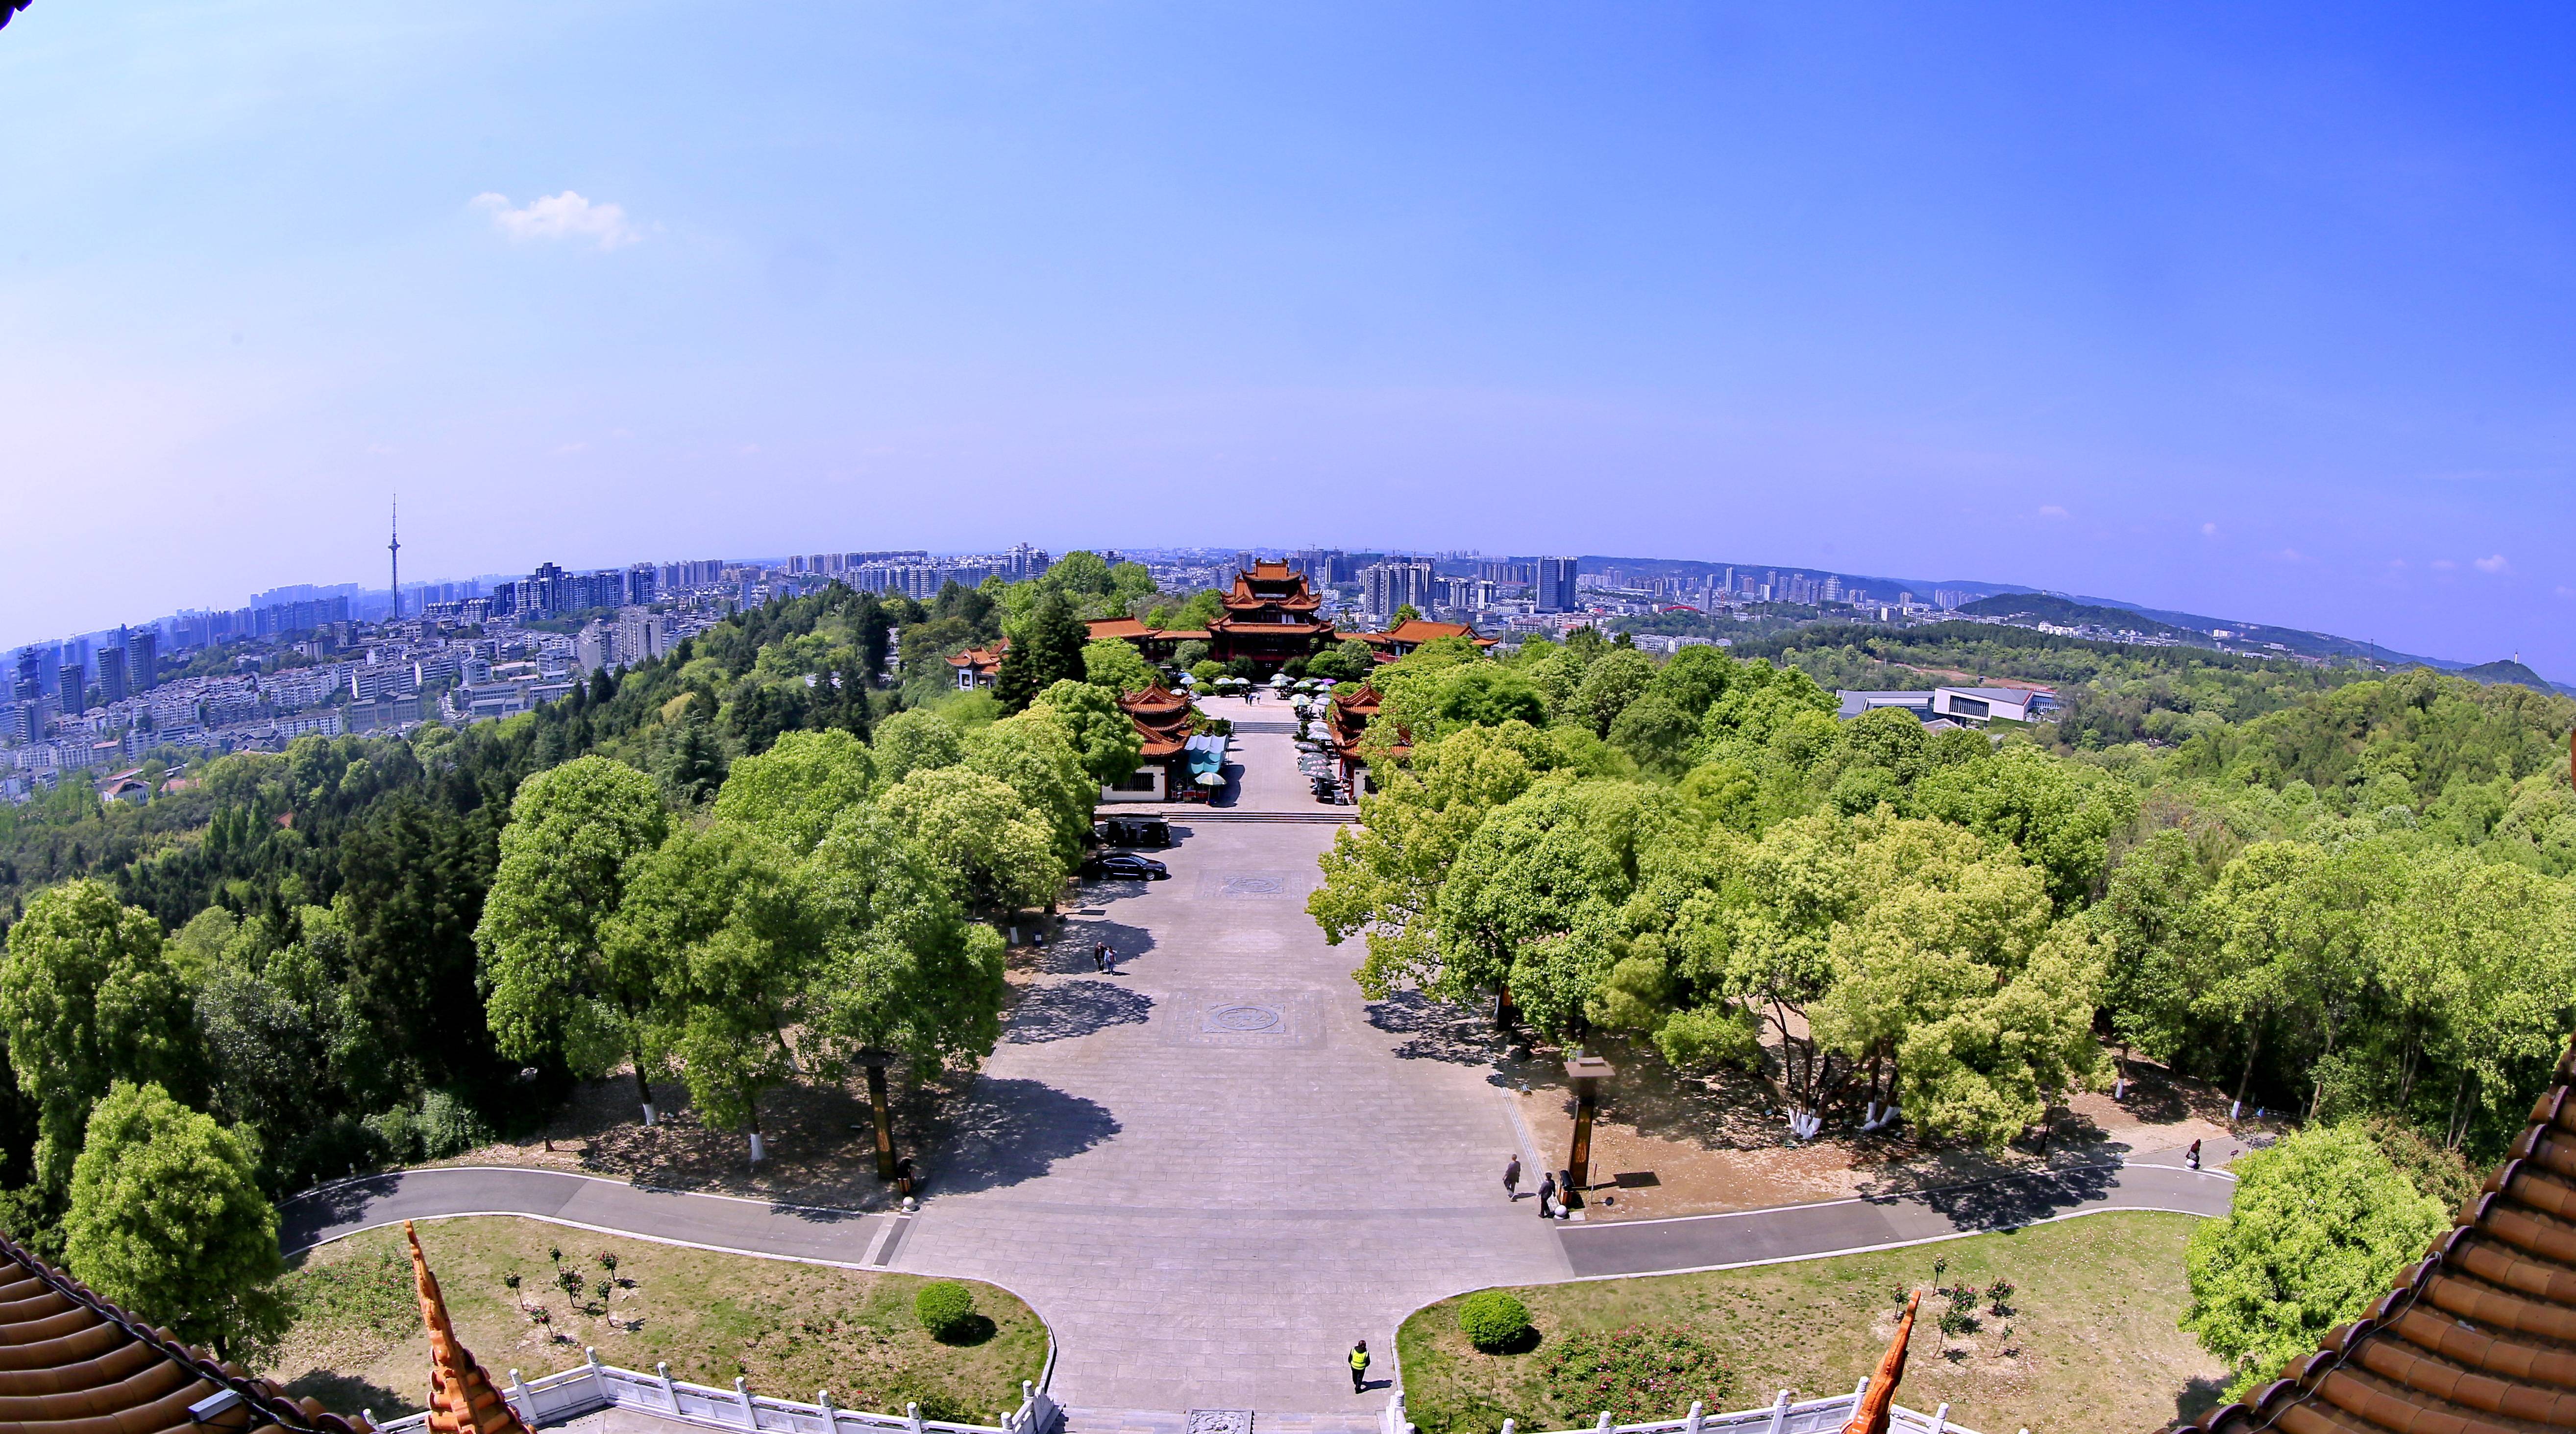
(1665,1143)
(821,1146)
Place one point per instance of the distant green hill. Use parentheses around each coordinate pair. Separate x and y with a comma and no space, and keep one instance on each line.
(2063,612)
(2507,671)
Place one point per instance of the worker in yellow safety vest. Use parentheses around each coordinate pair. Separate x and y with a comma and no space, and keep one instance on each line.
(1359,1366)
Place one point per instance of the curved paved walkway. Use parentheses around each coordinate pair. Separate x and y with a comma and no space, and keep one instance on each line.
(672,1217)
(858,1240)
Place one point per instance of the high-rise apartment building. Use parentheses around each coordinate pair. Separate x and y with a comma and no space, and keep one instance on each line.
(143,659)
(30,691)
(74,678)
(1395,583)
(111,676)
(1554,588)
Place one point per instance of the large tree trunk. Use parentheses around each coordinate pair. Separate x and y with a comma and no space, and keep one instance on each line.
(759,1151)
(2251,1051)
(884,1116)
(643,1086)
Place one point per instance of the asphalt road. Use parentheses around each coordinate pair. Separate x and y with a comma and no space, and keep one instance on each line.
(1593,1251)
(713,1222)
(1792,1232)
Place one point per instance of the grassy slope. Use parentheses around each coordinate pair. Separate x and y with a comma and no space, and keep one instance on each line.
(2094,1315)
(790,1329)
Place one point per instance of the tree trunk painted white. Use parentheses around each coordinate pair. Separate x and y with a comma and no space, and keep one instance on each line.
(759,1152)
(648,1115)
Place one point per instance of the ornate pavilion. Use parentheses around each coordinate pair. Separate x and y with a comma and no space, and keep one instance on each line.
(1412,633)
(1270,617)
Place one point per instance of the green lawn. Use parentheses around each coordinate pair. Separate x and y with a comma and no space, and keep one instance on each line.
(2092,1325)
(789,1329)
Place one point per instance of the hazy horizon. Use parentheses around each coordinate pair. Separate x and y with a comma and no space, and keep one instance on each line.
(2255,315)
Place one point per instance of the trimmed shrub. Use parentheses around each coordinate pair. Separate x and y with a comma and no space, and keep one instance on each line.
(945,1309)
(1494,1321)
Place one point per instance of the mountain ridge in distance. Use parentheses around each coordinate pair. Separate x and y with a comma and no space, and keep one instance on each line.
(2292,641)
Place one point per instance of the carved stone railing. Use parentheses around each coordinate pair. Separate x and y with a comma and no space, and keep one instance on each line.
(592,1385)
(1786,1414)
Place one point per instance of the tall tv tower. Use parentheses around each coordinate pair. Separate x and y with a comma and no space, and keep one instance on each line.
(393,550)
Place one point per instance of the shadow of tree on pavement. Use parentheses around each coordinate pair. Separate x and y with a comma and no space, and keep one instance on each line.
(1012,1130)
(1072,1009)
(2016,1200)
(1436,1030)
(1070,951)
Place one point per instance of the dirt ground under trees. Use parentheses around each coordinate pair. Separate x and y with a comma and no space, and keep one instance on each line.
(820,1146)
(1665,1143)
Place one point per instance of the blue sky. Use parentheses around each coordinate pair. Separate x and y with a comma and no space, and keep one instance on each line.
(2264,313)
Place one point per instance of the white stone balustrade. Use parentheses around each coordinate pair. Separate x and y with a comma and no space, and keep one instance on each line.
(592,1385)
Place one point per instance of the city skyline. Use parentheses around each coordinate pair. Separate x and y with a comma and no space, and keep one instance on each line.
(2249,314)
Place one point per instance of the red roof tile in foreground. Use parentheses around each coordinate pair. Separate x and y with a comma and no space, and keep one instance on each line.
(73,1363)
(2477,1338)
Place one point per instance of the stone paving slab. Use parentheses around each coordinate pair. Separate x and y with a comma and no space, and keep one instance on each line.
(1208,1217)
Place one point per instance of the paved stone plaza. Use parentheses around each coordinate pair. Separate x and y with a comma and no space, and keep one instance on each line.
(1214,1169)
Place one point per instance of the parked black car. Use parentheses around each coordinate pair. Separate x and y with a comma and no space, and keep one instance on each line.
(1125,866)
(1133,831)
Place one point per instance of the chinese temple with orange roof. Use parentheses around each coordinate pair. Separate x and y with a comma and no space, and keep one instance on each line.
(1156,644)
(979,666)
(1412,633)
(1270,618)
(1346,722)
(1162,718)
(2479,1337)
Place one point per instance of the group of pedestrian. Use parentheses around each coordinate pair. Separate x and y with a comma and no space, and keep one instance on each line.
(1551,1201)
(1101,956)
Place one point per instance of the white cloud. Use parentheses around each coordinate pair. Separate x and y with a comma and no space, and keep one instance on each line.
(564,449)
(2209,530)
(2494,564)
(2051,510)
(560,216)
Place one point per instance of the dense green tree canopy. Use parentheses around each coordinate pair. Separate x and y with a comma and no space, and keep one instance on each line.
(795,791)
(1103,736)
(2320,1225)
(87,1001)
(1115,666)
(167,1217)
(578,835)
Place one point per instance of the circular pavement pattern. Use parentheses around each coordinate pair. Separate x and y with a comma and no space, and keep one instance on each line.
(1244,1018)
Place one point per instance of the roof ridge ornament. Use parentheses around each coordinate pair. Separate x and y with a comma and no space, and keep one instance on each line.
(1869,1416)
(462,1399)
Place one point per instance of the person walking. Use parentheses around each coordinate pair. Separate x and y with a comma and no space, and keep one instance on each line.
(2191,1157)
(1512,1179)
(1359,1367)
(1546,1193)
(1100,956)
